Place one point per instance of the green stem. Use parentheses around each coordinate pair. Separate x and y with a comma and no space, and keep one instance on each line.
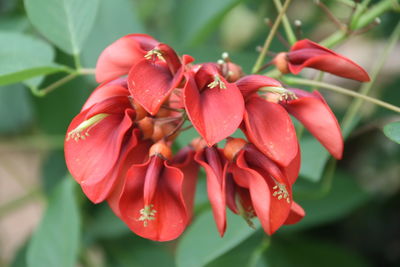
(270,36)
(341,90)
(355,106)
(56,84)
(16,203)
(375,11)
(258,252)
(286,24)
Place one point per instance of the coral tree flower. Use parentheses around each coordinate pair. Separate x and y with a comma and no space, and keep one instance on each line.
(307,54)
(153,203)
(214,106)
(101,137)
(263,187)
(271,130)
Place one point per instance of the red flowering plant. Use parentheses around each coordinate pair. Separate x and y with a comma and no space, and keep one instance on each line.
(167,142)
(119,147)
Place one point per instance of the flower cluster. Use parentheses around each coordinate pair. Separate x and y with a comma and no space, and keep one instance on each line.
(118,148)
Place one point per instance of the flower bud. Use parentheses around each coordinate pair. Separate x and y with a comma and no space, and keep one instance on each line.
(160,149)
(198,143)
(232,147)
(140,111)
(233,72)
(146,125)
(281,63)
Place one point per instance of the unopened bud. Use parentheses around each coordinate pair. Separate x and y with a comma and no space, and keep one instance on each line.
(146,125)
(163,112)
(198,143)
(281,63)
(234,72)
(161,149)
(140,111)
(232,147)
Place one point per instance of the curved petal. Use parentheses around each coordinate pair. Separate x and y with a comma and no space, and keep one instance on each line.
(120,56)
(150,84)
(261,184)
(269,128)
(250,84)
(112,105)
(170,217)
(132,154)
(306,53)
(292,171)
(296,214)
(319,119)
(215,113)
(212,160)
(106,90)
(184,160)
(91,159)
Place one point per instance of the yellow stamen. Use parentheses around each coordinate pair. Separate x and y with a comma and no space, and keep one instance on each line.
(281,192)
(147,214)
(217,83)
(78,132)
(155,53)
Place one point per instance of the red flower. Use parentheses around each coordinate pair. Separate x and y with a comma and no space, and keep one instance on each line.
(214,163)
(153,202)
(307,54)
(214,106)
(152,79)
(268,125)
(118,58)
(262,186)
(100,138)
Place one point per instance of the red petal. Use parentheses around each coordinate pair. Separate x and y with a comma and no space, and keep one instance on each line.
(170,217)
(212,160)
(251,83)
(269,128)
(318,57)
(112,105)
(131,155)
(91,160)
(259,192)
(107,90)
(184,160)
(296,214)
(150,84)
(319,119)
(271,211)
(292,171)
(215,113)
(120,56)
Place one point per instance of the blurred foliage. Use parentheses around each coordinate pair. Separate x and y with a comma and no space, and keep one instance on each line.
(352,206)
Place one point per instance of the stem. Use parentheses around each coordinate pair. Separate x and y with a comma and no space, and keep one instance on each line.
(270,36)
(355,106)
(77,61)
(87,71)
(258,252)
(341,90)
(16,203)
(286,24)
(55,85)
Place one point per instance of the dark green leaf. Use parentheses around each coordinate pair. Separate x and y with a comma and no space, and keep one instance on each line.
(392,131)
(56,240)
(16,111)
(293,252)
(66,23)
(344,196)
(53,170)
(198,18)
(202,244)
(19,54)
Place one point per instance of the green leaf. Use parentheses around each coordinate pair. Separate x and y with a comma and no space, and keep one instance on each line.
(66,23)
(344,196)
(56,240)
(294,252)
(392,131)
(115,19)
(313,159)
(30,73)
(20,53)
(16,109)
(198,19)
(201,243)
